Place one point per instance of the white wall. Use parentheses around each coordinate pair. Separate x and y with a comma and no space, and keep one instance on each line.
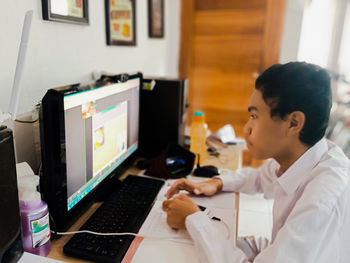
(60,53)
(292,30)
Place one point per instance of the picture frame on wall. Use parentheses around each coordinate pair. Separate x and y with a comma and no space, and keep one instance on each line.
(120,22)
(156,18)
(68,11)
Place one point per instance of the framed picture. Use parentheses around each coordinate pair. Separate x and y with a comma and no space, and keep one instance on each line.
(120,22)
(69,11)
(156,18)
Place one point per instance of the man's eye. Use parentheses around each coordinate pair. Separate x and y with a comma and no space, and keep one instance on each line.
(253,116)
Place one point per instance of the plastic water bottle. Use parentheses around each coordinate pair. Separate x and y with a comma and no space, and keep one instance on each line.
(34,217)
(198,135)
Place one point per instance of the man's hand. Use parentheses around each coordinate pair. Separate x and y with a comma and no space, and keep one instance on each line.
(178,209)
(208,188)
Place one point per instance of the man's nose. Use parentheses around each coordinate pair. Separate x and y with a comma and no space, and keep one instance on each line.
(246,129)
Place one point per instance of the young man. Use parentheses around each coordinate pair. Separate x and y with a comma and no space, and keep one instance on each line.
(307,175)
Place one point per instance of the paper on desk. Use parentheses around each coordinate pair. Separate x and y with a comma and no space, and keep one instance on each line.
(177,246)
(29,258)
(160,251)
(222,205)
(156,225)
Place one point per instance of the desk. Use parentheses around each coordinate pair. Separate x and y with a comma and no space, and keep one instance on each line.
(234,153)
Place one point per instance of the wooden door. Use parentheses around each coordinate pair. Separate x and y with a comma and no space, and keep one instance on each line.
(224,45)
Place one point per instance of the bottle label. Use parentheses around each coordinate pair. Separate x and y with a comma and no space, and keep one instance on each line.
(40,231)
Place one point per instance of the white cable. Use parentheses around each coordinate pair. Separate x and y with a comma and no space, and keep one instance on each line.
(173,239)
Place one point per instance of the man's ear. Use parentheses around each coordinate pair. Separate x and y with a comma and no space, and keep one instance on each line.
(296,121)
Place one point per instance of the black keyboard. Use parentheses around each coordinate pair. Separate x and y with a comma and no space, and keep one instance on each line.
(124,211)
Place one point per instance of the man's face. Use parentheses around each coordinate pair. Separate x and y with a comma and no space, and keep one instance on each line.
(265,137)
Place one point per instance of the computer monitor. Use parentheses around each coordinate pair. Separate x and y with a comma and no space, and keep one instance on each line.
(163,104)
(88,132)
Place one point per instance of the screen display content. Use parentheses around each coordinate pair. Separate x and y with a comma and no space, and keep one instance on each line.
(101,131)
(89,134)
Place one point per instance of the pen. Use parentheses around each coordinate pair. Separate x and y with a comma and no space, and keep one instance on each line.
(202,208)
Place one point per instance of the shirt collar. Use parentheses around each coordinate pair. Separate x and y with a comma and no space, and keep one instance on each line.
(296,174)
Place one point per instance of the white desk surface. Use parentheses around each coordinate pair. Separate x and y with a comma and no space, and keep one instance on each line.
(180,250)
(161,250)
(30,258)
(165,250)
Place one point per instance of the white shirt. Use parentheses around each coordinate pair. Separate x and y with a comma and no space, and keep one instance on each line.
(311,212)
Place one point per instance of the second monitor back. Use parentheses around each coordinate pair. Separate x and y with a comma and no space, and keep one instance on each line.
(162,114)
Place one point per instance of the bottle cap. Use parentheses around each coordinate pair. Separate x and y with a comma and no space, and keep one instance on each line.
(198,113)
(198,116)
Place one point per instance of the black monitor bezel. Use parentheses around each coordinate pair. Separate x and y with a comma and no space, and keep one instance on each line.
(53,177)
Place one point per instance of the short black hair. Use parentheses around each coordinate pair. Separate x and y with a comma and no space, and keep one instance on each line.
(298,86)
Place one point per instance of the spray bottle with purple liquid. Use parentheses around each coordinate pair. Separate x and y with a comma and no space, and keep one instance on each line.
(34,217)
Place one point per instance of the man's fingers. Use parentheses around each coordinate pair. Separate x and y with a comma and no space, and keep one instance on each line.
(170,222)
(197,191)
(182,184)
(172,191)
(165,205)
(182,197)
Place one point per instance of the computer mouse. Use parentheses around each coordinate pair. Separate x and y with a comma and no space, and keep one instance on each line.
(206,171)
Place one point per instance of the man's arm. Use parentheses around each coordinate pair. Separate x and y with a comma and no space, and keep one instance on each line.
(208,188)
(309,235)
(246,180)
(210,243)
(252,180)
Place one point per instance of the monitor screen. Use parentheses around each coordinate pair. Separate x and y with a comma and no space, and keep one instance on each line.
(88,132)
(101,131)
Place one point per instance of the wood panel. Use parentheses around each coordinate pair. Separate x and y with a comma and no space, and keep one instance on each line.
(232,90)
(228,52)
(220,22)
(218,118)
(186,29)
(229,43)
(273,32)
(229,4)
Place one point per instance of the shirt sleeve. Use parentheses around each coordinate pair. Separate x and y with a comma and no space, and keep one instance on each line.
(309,235)
(252,180)
(211,244)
